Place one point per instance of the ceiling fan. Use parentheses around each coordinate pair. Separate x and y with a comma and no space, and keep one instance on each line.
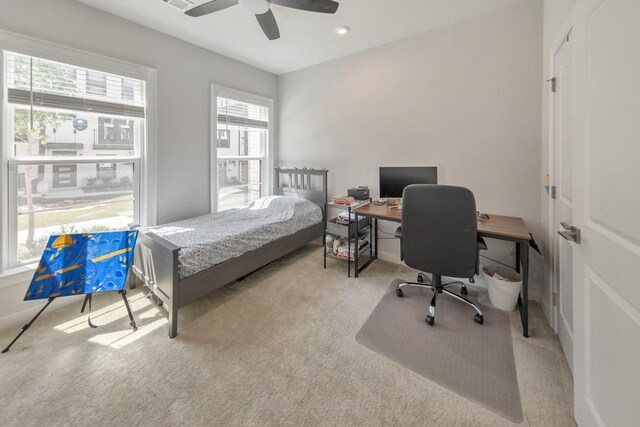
(262,10)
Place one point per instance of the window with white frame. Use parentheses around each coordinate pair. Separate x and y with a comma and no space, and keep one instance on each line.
(242,147)
(75,138)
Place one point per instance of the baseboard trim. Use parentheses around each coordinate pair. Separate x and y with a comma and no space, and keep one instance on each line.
(20,318)
(390,257)
(547,310)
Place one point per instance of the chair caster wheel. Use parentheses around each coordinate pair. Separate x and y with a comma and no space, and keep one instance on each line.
(464,291)
(479,318)
(399,293)
(430,320)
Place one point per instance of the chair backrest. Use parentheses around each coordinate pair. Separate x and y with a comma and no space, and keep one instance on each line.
(439,229)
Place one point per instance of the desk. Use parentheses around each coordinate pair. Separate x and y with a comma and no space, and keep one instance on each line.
(496,227)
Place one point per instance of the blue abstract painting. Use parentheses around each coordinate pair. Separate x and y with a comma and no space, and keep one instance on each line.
(75,264)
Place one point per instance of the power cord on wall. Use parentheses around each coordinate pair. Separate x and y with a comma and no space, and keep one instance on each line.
(501,260)
(497,262)
(380,230)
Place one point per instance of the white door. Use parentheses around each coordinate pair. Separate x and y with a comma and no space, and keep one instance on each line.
(563,202)
(606,50)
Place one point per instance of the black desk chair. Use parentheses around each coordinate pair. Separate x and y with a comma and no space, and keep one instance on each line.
(439,235)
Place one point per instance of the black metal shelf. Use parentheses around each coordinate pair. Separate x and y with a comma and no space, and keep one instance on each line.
(351,232)
(363,252)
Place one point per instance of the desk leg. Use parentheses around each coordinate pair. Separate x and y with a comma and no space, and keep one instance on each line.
(371,238)
(324,245)
(371,241)
(349,245)
(375,229)
(356,246)
(523,252)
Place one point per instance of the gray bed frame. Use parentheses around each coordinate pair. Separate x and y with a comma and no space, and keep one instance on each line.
(156,259)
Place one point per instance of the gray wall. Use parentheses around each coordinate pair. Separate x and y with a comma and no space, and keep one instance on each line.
(465,98)
(185,73)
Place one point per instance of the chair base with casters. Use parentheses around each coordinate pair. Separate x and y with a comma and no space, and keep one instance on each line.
(438,287)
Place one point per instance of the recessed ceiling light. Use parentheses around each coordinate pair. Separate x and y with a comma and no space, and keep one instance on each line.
(343,30)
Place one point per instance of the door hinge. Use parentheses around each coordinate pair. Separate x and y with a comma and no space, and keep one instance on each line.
(554,299)
(554,84)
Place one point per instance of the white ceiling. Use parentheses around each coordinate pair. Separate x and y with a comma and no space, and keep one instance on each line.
(306,38)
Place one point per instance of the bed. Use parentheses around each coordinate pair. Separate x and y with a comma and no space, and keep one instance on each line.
(185,260)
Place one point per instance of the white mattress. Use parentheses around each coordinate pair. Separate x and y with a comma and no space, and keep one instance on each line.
(212,239)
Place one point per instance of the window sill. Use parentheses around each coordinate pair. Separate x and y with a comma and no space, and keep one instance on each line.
(16,275)
(112,146)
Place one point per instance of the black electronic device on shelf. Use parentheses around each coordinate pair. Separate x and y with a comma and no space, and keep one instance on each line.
(359,193)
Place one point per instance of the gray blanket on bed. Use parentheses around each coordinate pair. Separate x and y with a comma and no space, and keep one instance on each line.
(211,239)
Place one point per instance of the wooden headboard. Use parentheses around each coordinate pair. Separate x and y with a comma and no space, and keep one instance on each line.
(308,184)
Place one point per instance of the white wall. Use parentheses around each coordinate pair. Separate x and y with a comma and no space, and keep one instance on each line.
(465,98)
(185,73)
(556,13)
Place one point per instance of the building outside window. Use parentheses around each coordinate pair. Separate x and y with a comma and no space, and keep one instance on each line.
(57,183)
(223,139)
(128,89)
(115,132)
(96,83)
(106,171)
(243,124)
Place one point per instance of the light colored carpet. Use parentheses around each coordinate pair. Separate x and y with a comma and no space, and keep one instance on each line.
(476,361)
(278,349)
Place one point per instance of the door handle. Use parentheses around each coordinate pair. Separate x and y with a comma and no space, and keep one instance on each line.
(571,233)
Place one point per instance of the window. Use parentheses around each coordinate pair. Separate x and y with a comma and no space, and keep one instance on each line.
(106,171)
(128,89)
(63,175)
(223,139)
(57,117)
(243,137)
(115,133)
(96,83)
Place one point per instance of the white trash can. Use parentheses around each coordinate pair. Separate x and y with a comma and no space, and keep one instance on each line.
(504,286)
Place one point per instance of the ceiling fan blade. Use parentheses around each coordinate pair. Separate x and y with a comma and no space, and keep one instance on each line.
(269,25)
(210,7)
(321,6)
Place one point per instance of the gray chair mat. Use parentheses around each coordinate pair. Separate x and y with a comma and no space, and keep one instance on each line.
(472,360)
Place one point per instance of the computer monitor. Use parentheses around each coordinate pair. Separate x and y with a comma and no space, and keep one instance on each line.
(393,180)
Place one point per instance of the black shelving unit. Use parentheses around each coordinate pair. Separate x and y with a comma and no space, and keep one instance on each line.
(351,231)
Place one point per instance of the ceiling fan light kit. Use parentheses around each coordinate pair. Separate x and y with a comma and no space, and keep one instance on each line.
(262,10)
(257,7)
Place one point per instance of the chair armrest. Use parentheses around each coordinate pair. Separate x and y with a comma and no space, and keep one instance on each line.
(398,233)
(482,245)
